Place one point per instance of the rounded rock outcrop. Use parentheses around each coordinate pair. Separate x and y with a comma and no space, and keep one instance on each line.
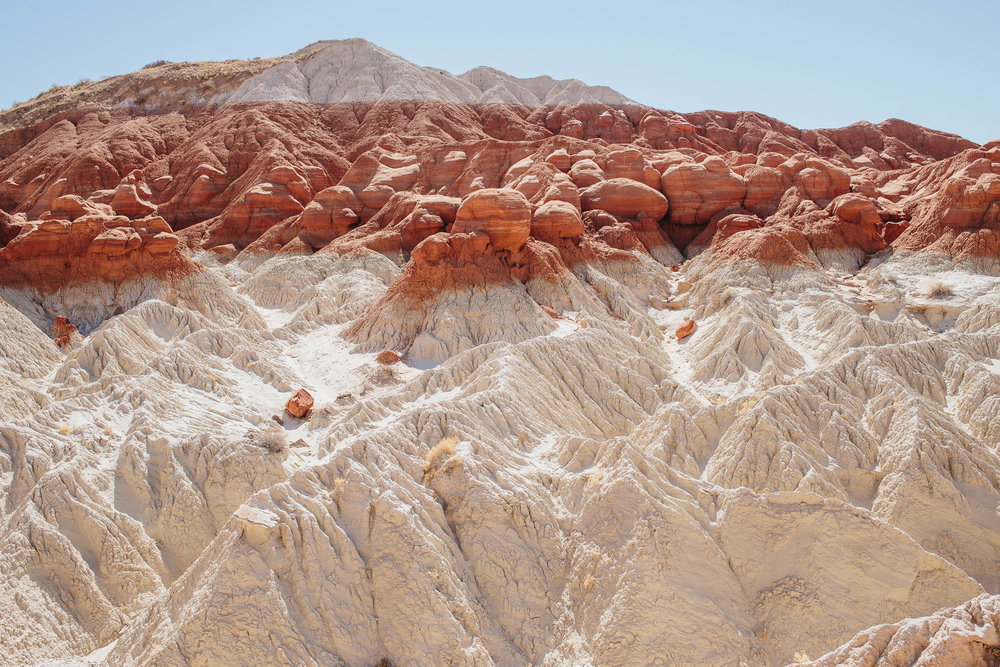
(699,191)
(586,172)
(503,214)
(855,209)
(625,198)
(330,214)
(556,219)
(820,180)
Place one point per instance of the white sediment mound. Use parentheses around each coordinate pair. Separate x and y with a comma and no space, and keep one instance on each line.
(815,467)
(355,70)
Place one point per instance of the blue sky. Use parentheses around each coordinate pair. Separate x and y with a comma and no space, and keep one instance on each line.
(812,64)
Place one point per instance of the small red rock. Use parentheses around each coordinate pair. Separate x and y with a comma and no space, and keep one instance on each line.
(300,404)
(687,328)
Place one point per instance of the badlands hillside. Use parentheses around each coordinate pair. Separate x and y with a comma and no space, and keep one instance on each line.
(591,383)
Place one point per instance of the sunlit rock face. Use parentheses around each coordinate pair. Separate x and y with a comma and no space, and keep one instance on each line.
(344,360)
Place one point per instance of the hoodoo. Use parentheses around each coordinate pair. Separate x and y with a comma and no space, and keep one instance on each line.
(589,382)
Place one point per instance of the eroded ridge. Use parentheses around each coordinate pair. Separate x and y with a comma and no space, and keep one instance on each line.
(581,381)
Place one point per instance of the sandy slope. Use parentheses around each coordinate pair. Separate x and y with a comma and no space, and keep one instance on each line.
(820,457)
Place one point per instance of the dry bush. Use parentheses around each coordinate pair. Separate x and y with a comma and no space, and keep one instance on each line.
(65,430)
(439,453)
(381,376)
(444,449)
(273,440)
(388,357)
(939,290)
(155,63)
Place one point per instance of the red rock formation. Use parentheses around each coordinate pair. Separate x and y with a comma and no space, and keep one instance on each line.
(330,214)
(721,227)
(776,245)
(625,198)
(299,176)
(699,191)
(503,215)
(962,221)
(63,331)
(50,253)
(556,219)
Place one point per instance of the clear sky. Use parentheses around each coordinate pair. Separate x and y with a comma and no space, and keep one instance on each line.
(812,64)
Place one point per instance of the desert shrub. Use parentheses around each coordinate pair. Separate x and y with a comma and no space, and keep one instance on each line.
(273,440)
(155,63)
(439,453)
(380,376)
(443,450)
(939,290)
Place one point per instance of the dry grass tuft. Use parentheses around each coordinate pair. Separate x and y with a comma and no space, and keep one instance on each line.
(589,582)
(273,440)
(438,454)
(939,290)
(108,430)
(65,430)
(380,376)
(443,450)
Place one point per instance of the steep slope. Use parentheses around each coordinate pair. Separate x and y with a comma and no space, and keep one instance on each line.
(593,383)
